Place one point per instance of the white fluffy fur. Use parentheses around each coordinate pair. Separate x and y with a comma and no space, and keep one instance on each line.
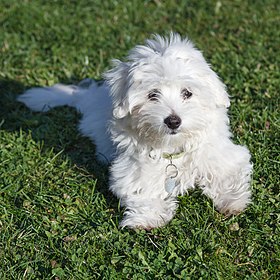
(129,129)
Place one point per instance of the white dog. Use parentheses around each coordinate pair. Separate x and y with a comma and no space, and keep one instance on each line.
(161,118)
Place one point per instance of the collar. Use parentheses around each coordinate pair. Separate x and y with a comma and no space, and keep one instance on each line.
(168,156)
(172,156)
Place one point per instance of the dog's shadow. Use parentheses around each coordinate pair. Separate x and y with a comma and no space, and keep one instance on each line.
(57,129)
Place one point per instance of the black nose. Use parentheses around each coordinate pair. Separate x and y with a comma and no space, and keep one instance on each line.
(173,121)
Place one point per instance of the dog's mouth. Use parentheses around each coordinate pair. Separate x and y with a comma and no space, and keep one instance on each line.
(173,132)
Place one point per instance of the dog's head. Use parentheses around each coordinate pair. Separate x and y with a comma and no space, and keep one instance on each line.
(166,90)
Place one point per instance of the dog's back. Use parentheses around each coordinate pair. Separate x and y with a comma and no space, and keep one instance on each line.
(90,98)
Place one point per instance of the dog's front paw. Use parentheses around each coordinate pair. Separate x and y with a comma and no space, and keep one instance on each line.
(142,221)
(233,207)
(148,213)
(229,212)
(145,221)
(133,224)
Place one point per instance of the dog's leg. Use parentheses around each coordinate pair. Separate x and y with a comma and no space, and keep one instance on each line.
(140,186)
(232,194)
(228,179)
(148,213)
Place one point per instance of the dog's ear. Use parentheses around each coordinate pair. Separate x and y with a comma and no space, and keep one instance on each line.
(116,78)
(218,89)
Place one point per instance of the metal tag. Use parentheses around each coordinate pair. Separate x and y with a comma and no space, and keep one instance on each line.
(170,184)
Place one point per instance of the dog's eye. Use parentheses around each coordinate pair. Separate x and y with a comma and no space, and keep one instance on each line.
(186,94)
(154,94)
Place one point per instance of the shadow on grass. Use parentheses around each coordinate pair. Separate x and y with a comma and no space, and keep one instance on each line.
(57,130)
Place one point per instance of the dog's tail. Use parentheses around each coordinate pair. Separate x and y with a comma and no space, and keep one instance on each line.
(43,99)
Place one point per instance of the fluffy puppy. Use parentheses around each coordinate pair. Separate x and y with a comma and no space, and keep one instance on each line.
(161,119)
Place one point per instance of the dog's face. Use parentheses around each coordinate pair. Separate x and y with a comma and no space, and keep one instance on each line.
(167,91)
(167,114)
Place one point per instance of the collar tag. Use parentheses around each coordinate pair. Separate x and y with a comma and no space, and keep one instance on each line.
(171,172)
(170,184)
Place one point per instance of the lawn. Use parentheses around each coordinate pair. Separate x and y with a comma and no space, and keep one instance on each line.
(57,218)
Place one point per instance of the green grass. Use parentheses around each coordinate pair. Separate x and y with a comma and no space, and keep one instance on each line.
(57,218)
